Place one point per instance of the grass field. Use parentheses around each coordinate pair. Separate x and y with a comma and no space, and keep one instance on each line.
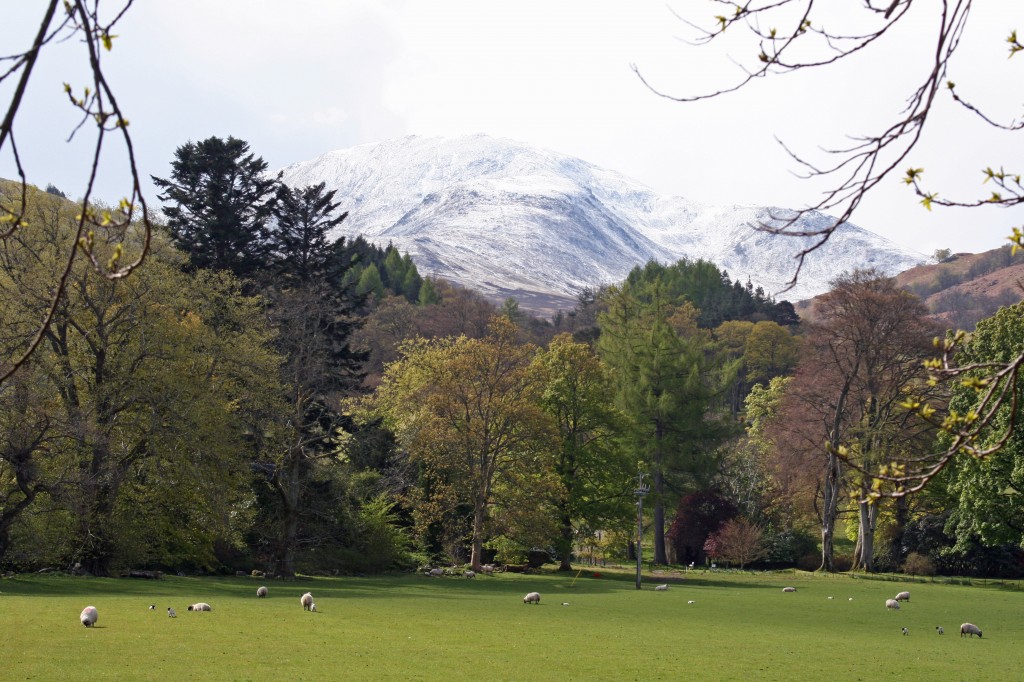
(739,627)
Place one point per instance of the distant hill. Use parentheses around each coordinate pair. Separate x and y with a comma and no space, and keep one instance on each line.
(962,289)
(510,220)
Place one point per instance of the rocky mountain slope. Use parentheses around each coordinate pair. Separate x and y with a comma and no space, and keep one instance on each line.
(508,219)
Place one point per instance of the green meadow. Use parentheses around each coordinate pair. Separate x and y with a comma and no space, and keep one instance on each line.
(739,626)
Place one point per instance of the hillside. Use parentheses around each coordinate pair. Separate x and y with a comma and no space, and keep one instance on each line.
(508,219)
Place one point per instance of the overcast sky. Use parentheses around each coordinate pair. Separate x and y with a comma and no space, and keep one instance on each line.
(299,78)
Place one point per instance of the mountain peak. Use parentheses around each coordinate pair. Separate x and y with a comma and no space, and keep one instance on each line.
(509,219)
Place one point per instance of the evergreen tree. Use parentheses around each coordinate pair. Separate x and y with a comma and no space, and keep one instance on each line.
(370,282)
(299,239)
(220,199)
(428,293)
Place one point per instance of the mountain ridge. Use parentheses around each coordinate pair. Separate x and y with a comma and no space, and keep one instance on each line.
(508,219)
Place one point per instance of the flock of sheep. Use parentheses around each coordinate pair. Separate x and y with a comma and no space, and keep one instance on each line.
(90,615)
(966,629)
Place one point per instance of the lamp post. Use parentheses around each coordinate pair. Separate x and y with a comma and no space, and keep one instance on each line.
(641,490)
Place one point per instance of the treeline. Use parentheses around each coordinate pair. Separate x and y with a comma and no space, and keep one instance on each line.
(260,395)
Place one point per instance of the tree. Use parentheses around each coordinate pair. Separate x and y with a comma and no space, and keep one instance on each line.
(739,542)
(698,517)
(665,383)
(595,471)
(298,241)
(81,23)
(858,363)
(220,201)
(792,35)
(988,491)
(467,411)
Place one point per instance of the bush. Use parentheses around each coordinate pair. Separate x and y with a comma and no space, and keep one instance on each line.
(918,564)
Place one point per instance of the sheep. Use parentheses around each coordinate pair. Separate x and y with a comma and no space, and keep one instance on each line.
(789,589)
(171,613)
(435,572)
(152,607)
(938,629)
(261,592)
(470,574)
(488,569)
(306,600)
(312,607)
(89,616)
(970,629)
(201,606)
(532,598)
(660,588)
(691,602)
(903,596)
(905,631)
(892,604)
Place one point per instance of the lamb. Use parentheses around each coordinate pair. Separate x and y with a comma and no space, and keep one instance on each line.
(660,588)
(903,596)
(261,592)
(532,598)
(89,616)
(312,607)
(201,606)
(905,631)
(892,604)
(970,629)
(789,589)
(171,613)
(307,601)
(938,629)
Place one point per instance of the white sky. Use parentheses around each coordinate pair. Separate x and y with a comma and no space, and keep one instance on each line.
(298,78)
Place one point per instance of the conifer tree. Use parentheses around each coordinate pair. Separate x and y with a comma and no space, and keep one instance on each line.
(219,200)
(299,239)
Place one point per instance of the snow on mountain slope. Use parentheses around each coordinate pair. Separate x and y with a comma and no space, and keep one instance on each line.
(508,219)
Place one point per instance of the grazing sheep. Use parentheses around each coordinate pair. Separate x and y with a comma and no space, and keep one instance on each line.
(691,602)
(969,629)
(488,569)
(903,596)
(89,616)
(261,592)
(789,589)
(312,607)
(938,629)
(470,574)
(829,597)
(905,631)
(660,588)
(532,598)
(306,600)
(152,607)
(435,572)
(892,604)
(171,613)
(201,606)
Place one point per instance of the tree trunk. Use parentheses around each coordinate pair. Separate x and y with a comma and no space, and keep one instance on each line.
(829,513)
(660,557)
(564,543)
(477,556)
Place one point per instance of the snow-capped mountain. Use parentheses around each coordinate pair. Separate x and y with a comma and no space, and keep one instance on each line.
(508,219)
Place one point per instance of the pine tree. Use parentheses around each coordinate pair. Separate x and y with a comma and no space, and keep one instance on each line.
(299,239)
(220,200)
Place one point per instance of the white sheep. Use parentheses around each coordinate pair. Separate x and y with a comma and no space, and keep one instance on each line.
(470,574)
(532,598)
(969,629)
(89,616)
(903,596)
(892,604)
(261,592)
(152,607)
(660,588)
(938,629)
(905,631)
(306,600)
(789,589)
(312,607)
(201,606)
(171,613)
(435,572)
(488,569)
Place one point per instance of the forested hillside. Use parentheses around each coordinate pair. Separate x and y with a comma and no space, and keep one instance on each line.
(261,396)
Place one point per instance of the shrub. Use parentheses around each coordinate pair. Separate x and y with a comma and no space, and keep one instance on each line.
(918,564)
